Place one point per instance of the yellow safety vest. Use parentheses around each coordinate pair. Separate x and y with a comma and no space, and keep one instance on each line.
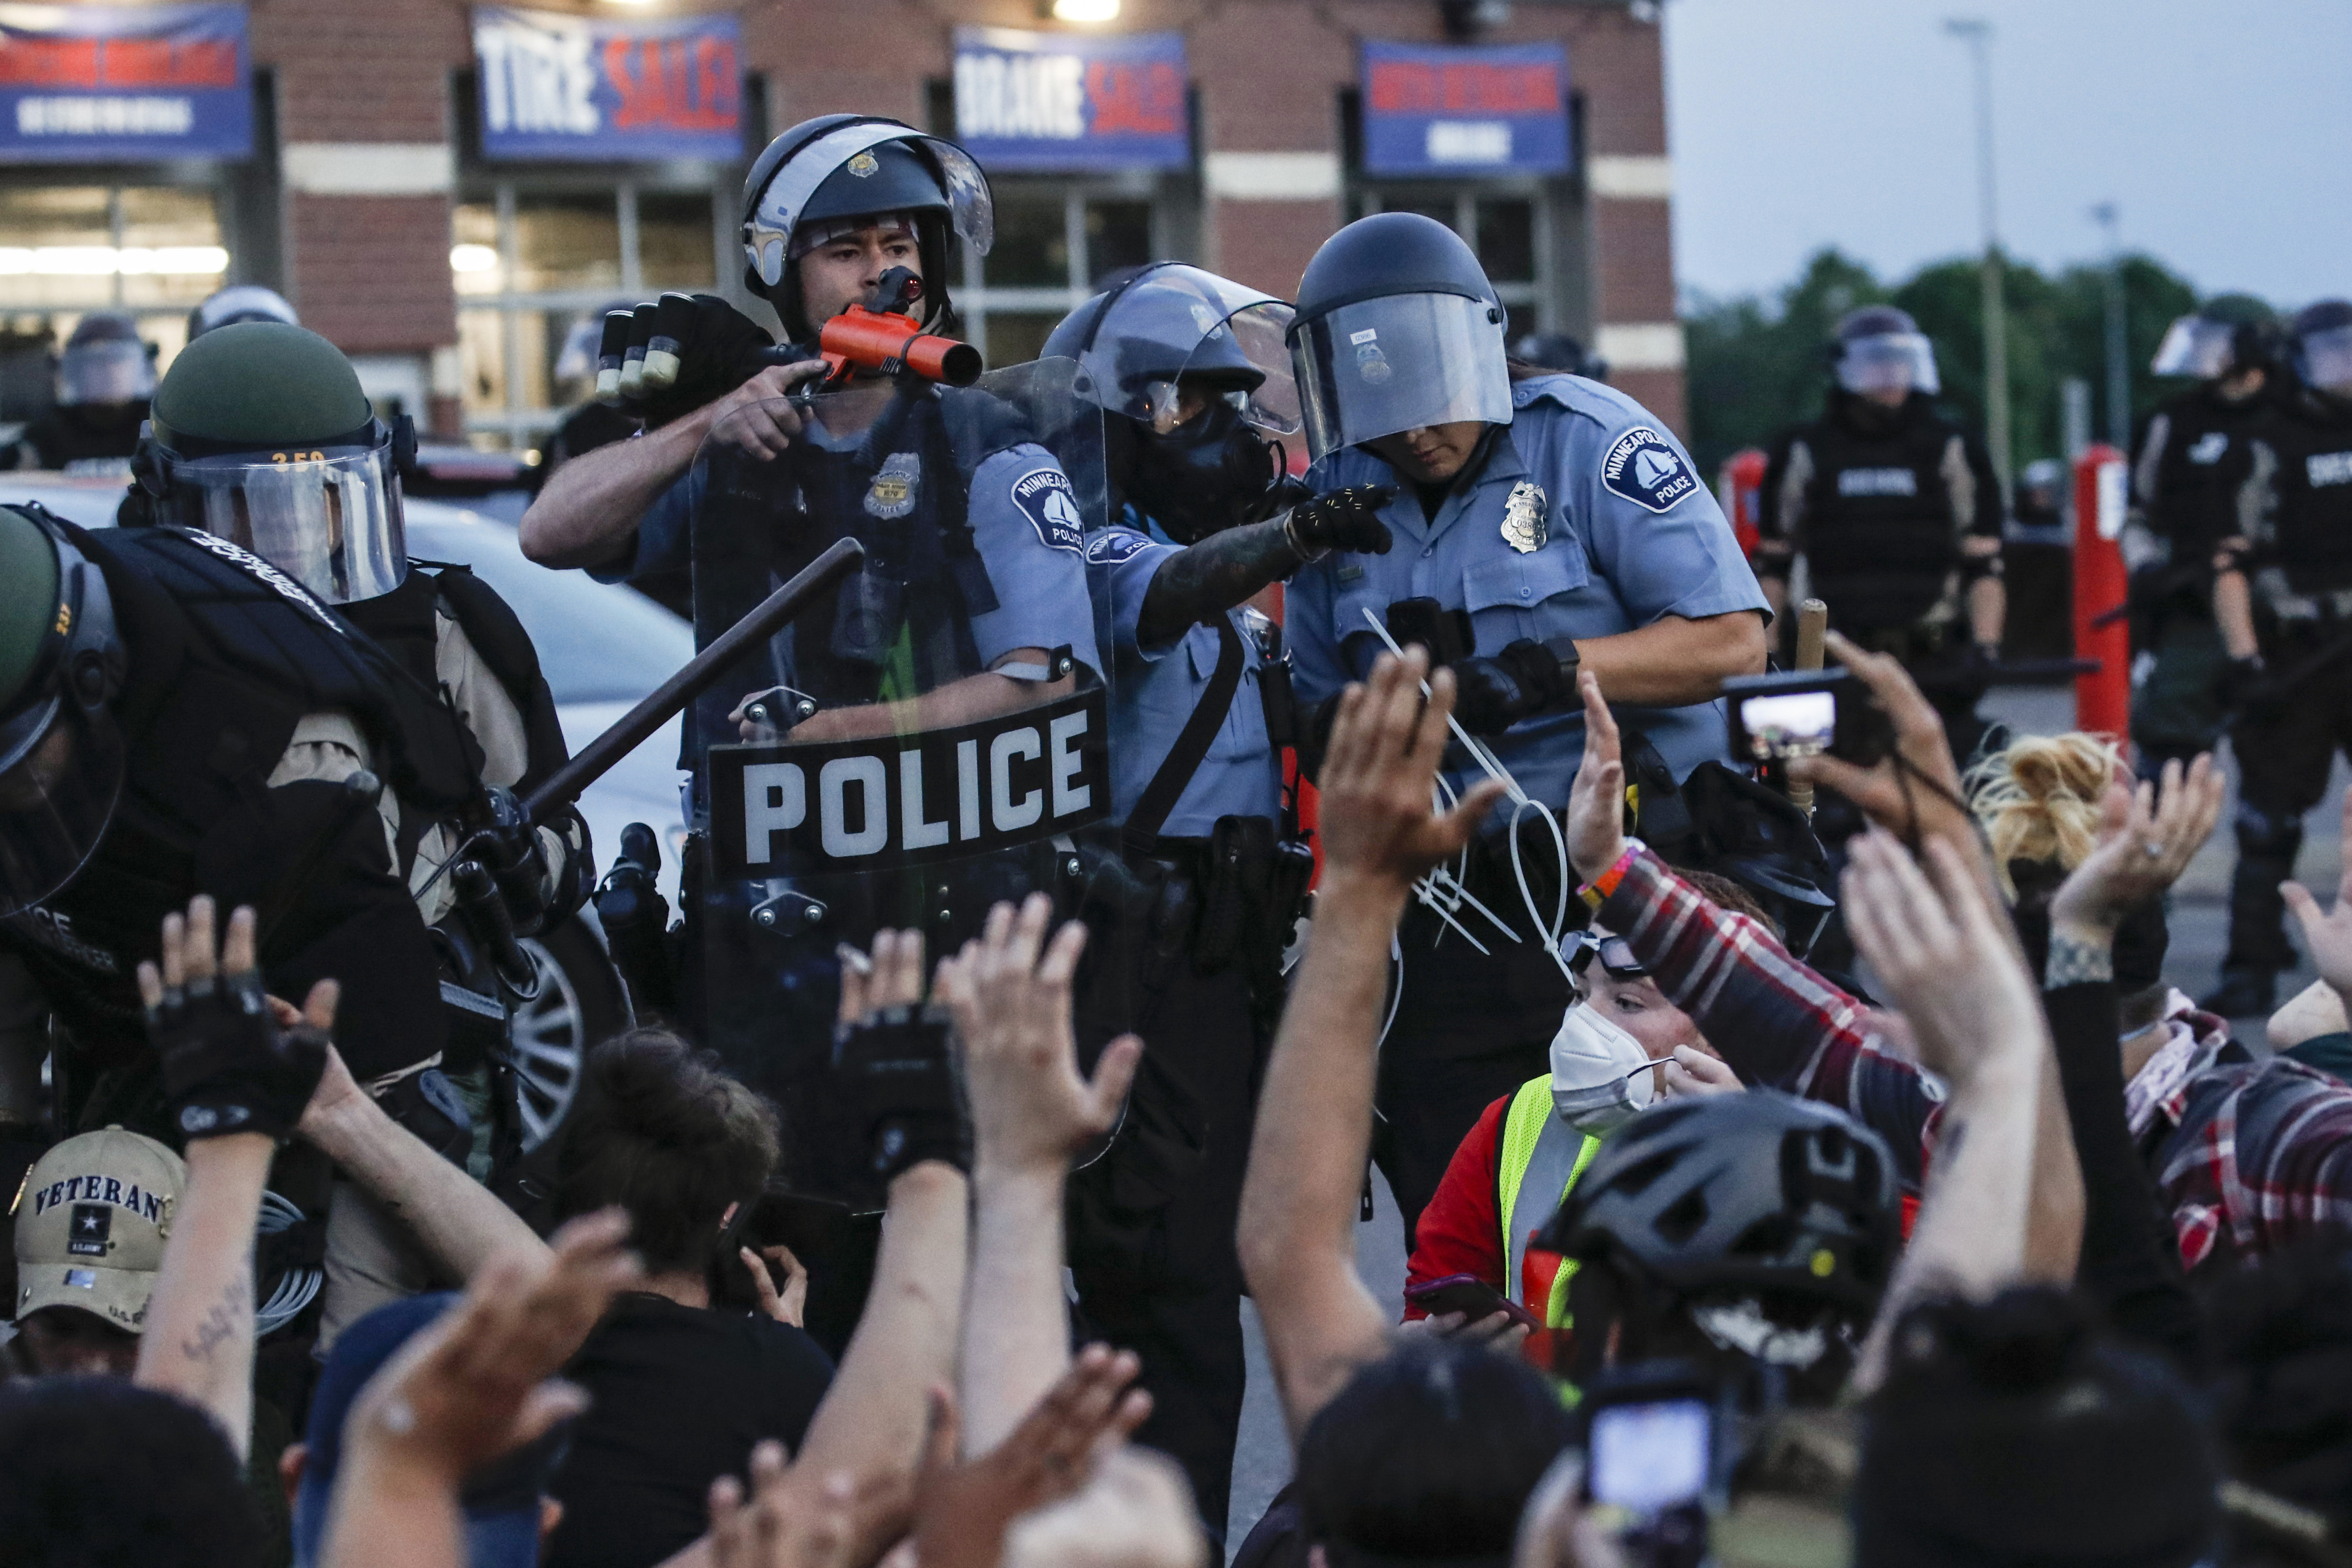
(1542,1157)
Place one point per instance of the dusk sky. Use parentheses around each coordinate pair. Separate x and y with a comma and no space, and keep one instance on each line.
(2221,129)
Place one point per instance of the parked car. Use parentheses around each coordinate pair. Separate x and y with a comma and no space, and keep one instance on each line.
(603,648)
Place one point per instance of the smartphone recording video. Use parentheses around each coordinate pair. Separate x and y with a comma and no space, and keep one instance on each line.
(1798,724)
(1646,1459)
(1804,714)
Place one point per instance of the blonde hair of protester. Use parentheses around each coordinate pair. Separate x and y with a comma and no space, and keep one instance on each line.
(2039,799)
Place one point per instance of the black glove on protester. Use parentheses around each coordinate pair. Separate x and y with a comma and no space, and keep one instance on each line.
(227,1067)
(1344,520)
(688,350)
(1528,677)
(899,1077)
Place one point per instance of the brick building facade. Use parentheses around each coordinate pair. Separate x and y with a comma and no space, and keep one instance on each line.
(452,279)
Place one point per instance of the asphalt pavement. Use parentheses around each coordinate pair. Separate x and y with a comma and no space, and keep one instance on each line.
(2199,927)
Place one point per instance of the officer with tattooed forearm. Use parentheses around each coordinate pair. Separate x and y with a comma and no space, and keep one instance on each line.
(1192,373)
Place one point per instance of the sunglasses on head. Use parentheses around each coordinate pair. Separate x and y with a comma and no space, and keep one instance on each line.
(1616,955)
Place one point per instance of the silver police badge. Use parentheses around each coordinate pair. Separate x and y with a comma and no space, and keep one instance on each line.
(1523,518)
(892,493)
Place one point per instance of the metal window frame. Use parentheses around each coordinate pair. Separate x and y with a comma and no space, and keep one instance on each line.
(976,299)
(1542,293)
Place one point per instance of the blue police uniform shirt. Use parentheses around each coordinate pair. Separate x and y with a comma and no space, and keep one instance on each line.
(1025,525)
(1627,534)
(1154,691)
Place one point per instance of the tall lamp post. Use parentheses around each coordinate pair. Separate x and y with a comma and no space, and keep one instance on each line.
(1977,34)
(2119,414)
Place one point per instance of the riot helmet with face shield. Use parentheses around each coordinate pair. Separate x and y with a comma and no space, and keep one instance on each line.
(2228,334)
(1879,350)
(261,435)
(61,665)
(239,302)
(1397,328)
(105,364)
(838,173)
(1195,365)
(2321,335)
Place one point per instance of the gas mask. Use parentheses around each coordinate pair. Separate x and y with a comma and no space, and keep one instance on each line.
(1210,473)
(1600,1076)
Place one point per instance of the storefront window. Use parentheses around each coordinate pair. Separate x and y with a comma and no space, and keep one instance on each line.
(1508,229)
(1056,242)
(530,265)
(150,251)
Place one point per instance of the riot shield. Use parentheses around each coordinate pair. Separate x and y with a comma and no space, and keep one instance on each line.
(926,739)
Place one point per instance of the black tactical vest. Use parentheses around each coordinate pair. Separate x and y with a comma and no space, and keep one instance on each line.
(2203,432)
(1881,533)
(225,655)
(2311,441)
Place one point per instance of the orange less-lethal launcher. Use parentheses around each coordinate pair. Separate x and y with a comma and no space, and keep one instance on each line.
(880,334)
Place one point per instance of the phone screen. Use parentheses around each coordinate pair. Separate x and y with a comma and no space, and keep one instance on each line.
(1789,724)
(1647,1457)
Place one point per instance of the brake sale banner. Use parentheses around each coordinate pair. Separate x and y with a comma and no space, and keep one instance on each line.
(1045,102)
(556,87)
(1452,109)
(117,83)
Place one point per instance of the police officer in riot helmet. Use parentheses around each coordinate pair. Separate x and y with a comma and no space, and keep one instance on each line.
(2228,346)
(1560,352)
(1543,525)
(1897,513)
(1193,371)
(104,378)
(2282,598)
(239,302)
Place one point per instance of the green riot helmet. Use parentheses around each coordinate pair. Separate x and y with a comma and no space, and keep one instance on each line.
(61,665)
(262,435)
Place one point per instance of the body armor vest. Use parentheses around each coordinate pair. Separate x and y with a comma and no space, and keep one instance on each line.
(2203,432)
(1881,533)
(225,655)
(2311,442)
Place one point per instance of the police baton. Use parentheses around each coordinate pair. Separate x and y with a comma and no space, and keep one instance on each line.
(1812,630)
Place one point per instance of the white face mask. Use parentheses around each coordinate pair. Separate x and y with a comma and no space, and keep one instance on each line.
(1599,1074)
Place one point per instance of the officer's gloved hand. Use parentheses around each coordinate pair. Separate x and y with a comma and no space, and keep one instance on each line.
(2251,692)
(897,1071)
(669,357)
(228,1066)
(527,883)
(1493,694)
(1344,520)
(1976,669)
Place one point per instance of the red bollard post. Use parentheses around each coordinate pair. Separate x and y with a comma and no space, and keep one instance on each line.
(1739,490)
(2102,699)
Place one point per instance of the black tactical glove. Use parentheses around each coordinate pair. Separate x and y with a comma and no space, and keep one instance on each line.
(517,857)
(227,1067)
(1344,520)
(2251,692)
(668,358)
(1527,678)
(1976,669)
(900,1079)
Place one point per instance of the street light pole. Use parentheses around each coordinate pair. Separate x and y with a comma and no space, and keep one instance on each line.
(1977,34)
(2119,411)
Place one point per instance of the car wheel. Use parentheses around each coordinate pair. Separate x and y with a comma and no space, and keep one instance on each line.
(581,1002)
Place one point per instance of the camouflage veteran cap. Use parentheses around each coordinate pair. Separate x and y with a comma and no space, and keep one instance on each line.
(90,1222)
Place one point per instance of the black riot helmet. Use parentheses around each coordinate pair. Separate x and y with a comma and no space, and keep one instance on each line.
(1397,328)
(1767,1223)
(2225,335)
(1195,366)
(61,665)
(838,167)
(105,363)
(2322,339)
(1758,839)
(1879,348)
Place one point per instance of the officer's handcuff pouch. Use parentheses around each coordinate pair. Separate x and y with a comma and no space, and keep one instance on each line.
(1446,634)
(428,1105)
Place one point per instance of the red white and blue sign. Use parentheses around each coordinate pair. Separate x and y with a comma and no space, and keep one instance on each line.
(608,89)
(1436,109)
(1058,101)
(114,83)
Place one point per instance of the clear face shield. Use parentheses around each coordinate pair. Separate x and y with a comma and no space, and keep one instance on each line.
(2324,360)
(769,233)
(109,371)
(1888,363)
(2194,346)
(329,517)
(1400,362)
(1177,337)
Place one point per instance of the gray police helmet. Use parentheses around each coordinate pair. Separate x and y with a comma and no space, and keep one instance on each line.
(2323,346)
(1397,328)
(240,302)
(1881,348)
(105,363)
(793,180)
(1169,322)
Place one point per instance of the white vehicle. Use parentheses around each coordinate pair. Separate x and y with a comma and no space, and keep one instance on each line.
(602,648)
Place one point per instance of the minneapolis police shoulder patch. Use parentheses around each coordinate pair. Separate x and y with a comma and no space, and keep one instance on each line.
(1646,471)
(1052,507)
(1113,545)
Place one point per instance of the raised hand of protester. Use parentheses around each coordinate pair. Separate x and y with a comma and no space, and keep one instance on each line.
(2330,934)
(229,1066)
(789,1519)
(1596,801)
(789,1305)
(1914,792)
(894,1060)
(1009,991)
(1943,951)
(2147,837)
(962,1510)
(891,976)
(1379,819)
(1343,520)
